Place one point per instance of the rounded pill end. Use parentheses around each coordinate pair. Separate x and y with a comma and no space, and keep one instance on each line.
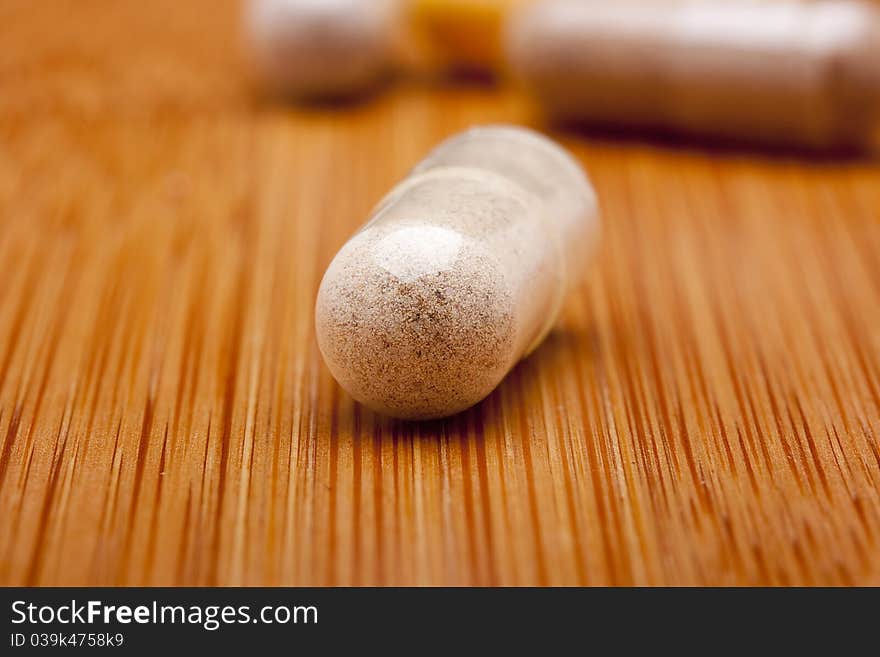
(315,50)
(416,322)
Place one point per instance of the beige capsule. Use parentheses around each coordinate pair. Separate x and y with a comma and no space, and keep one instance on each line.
(458,274)
(321,48)
(804,74)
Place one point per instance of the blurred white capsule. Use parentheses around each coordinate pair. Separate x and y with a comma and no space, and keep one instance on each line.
(320,48)
(805,73)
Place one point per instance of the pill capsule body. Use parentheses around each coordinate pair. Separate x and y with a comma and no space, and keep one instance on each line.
(805,74)
(458,274)
(320,48)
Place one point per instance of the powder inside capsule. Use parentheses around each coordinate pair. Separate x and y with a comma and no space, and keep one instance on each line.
(460,271)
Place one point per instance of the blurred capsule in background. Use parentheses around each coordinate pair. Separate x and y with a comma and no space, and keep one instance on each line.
(321,48)
(803,74)
(460,35)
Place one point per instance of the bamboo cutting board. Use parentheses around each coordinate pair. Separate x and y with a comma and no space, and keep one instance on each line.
(708,411)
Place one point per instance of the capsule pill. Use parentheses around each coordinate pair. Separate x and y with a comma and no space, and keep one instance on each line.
(321,48)
(805,74)
(458,274)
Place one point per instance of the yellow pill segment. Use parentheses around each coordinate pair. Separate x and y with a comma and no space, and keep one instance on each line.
(459,273)
(461,34)
(800,73)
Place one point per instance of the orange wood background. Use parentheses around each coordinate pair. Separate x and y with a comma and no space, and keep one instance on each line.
(707,412)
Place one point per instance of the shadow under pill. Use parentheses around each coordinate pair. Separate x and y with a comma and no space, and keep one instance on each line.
(714,146)
(265,99)
(517,392)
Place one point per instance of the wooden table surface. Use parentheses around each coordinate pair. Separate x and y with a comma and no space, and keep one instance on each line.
(708,411)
